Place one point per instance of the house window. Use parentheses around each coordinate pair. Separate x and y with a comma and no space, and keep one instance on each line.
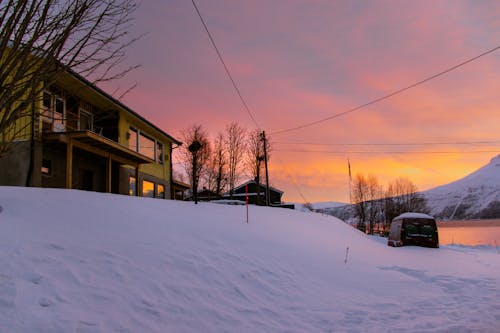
(46,167)
(59,110)
(86,121)
(132,139)
(53,111)
(146,146)
(131,186)
(47,107)
(159,152)
(148,189)
(160,191)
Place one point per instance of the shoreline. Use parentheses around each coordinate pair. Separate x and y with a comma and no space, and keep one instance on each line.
(470,223)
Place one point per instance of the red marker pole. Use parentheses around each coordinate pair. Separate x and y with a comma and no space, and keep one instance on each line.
(246,191)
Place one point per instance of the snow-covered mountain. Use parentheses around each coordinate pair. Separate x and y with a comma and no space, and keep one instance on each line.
(474,196)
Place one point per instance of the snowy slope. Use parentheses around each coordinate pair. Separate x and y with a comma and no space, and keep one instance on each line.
(74,261)
(469,196)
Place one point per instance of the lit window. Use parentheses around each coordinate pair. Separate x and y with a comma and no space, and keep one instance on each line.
(160,191)
(148,189)
(131,186)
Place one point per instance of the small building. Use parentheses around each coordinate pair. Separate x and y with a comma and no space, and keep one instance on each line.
(207,195)
(179,190)
(255,190)
(76,136)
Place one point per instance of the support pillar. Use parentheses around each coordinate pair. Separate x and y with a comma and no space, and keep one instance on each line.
(69,164)
(109,168)
(137,180)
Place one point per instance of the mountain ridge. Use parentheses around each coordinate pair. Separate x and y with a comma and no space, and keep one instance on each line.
(476,195)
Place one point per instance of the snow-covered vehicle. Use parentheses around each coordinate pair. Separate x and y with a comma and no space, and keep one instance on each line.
(413,229)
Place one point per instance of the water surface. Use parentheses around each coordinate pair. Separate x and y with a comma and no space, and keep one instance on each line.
(473,232)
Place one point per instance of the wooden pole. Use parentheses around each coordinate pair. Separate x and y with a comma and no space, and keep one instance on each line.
(69,164)
(246,191)
(137,180)
(265,163)
(108,173)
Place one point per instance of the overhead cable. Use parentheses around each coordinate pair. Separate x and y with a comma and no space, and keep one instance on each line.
(388,95)
(385,144)
(384,152)
(235,86)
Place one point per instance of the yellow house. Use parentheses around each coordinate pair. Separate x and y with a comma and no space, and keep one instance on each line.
(79,137)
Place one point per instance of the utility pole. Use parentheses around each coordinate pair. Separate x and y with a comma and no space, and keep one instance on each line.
(257,179)
(264,140)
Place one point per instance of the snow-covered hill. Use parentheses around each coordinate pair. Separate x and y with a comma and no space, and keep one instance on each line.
(74,261)
(474,196)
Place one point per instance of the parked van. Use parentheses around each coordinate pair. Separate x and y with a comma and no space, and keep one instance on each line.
(413,229)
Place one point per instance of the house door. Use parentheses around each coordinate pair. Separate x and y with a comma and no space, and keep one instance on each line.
(87,180)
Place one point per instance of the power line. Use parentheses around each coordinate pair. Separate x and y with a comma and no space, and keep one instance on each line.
(297,187)
(384,152)
(388,95)
(386,144)
(245,105)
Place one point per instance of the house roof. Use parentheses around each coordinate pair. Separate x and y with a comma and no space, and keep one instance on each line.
(262,185)
(181,184)
(120,104)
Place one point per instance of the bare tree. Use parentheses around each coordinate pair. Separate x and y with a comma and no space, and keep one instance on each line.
(402,196)
(235,145)
(41,39)
(359,197)
(254,161)
(190,135)
(366,197)
(216,175)
(373,195)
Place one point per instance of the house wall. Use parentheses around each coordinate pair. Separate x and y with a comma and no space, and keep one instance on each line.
(89,170)
(158,173)
(14,166)
(126,173)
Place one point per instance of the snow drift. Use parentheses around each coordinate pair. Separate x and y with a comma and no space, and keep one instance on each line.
(74,261)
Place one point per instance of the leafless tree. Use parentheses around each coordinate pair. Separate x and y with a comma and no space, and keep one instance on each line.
(374,193)
(235,145)
(40,39)
(402,196)
(359,197)
(190,135)
(216,175)
(366,197)
(254,161)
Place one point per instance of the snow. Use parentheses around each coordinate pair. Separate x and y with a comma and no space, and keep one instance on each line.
(410,215)
(324,206)
(74,261)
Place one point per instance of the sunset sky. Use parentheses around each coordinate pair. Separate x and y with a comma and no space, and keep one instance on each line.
(297,62)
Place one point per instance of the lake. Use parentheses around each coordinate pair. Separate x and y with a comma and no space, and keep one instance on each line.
(475,232)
